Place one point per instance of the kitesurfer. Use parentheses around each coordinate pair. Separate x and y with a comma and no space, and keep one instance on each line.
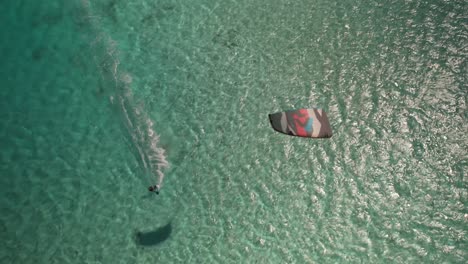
(154,188)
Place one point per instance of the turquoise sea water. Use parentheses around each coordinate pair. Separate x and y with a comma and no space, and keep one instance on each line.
(98,96)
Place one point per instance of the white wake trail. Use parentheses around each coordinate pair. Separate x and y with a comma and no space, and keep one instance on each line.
(139,125)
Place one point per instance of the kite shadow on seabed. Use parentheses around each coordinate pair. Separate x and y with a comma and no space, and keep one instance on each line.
(153,238)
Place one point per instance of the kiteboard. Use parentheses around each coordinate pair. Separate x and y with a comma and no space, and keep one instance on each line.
(305,122)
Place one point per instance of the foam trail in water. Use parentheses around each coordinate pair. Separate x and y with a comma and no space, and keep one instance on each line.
(139,125)
(144,137)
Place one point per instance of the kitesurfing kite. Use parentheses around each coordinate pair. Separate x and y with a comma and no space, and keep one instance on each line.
(312,123)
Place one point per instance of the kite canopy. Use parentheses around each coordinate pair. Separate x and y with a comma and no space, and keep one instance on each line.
(304,122)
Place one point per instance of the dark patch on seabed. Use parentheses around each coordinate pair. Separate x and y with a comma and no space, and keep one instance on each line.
(153,238)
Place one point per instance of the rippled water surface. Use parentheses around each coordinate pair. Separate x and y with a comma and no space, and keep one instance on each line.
(100,99)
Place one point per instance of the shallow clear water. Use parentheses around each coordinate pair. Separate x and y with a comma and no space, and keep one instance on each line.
(88,87)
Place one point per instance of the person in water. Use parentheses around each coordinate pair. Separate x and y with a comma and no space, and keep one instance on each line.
(154,188)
